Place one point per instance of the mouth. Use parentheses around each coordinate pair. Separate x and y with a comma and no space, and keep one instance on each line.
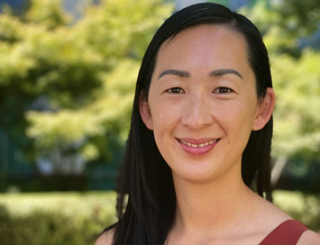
(201,145)
(197,147)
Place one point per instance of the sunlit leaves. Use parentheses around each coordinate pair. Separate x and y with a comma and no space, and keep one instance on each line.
(296,74)
(80,76)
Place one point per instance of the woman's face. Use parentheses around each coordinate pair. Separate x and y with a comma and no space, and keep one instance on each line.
(202,103)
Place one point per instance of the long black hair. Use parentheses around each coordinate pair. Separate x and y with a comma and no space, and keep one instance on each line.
(146,197)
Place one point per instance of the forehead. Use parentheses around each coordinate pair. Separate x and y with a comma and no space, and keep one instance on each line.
(206,41)
(208,30)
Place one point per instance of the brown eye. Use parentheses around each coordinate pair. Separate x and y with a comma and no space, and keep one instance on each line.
(175,90)
(223,90)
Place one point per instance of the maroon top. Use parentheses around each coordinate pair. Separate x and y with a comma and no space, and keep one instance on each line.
(287,233)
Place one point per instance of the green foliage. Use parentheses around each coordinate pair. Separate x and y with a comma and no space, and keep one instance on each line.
(299,18)
(297,118)
(121,28)
(69,85)
(54,218)
(47,13)
(9,29)
(296,74)
(304,207)
(285,23)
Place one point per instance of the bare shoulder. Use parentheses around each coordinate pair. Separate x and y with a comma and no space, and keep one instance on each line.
(309,237)
(105,238)
(278,216)
(270,213)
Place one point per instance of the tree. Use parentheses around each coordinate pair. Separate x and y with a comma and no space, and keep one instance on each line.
(296,78)
(70,85)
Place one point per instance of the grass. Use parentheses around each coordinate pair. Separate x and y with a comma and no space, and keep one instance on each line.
(71,204)
(55,218)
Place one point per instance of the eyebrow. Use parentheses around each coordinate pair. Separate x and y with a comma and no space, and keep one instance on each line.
(178,73)
(215,73)
(221,72)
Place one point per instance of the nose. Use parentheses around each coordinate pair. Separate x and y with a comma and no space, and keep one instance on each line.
(197,113)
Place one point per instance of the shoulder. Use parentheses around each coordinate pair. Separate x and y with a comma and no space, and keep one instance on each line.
(278,216)
(106,238)
(269,214)
(309,237)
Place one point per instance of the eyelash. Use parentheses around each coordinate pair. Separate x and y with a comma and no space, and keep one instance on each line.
(174,90)
(225,90)
(219,90)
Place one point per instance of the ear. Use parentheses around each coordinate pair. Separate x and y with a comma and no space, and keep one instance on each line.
(145,112)
(264,112)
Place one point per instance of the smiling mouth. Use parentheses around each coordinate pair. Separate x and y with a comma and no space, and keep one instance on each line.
(201,145)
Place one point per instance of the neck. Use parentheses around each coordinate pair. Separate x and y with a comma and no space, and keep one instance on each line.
(212,207)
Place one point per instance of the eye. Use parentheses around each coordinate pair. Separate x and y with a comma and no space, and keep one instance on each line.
(175,90)
(223,90)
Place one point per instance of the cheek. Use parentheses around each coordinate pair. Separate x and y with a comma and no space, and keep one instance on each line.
(164,112)
(161,119)
(236,117)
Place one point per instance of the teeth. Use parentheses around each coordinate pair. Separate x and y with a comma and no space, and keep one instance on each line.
(200,145)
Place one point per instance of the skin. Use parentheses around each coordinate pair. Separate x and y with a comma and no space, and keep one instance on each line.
(203,93)
(198,102)
(194,101)
(203,90)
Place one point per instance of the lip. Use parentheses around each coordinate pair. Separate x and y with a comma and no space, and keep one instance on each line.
(197,146)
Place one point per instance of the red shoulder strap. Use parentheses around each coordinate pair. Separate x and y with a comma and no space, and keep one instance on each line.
(287,233)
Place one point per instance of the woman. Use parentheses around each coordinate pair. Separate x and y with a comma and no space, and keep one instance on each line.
(199,144)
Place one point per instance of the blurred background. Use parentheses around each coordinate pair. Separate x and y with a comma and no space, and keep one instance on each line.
(67,77)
